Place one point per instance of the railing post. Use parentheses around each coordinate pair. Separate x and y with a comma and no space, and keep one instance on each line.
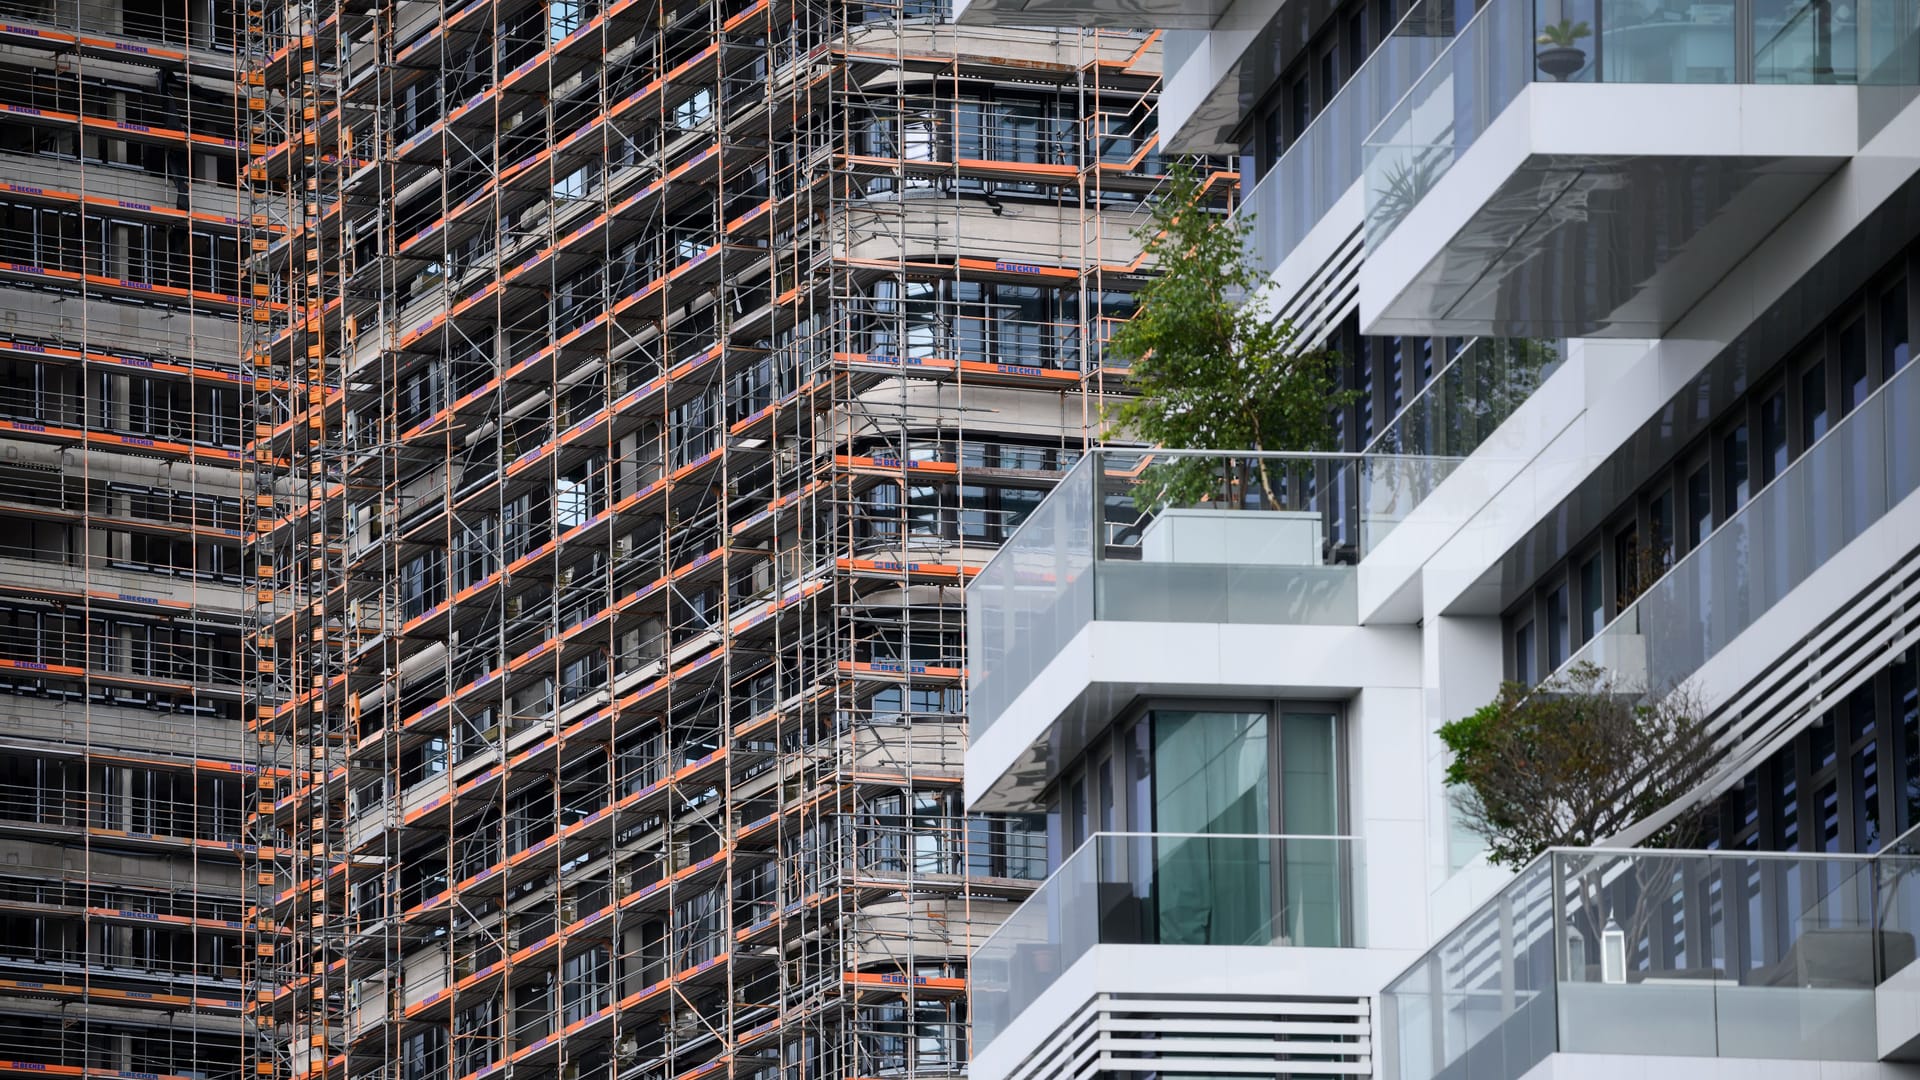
(1437,1011)
(1743,41)
(1507,958)
(1098,479)
(1556,896)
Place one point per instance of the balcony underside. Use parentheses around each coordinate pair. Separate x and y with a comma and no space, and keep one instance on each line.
(1601,211)
(1106,14)
(1109,664)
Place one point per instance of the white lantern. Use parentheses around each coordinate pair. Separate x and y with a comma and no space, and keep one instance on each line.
(1613,953)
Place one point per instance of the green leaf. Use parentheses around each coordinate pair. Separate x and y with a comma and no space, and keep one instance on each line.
(1212,367)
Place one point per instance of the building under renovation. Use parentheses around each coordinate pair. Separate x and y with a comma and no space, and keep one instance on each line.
(485,496)
(633,388)
(125,771)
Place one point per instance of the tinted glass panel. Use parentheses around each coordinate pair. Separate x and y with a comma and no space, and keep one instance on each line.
(1592,610)
(1813,403)
(1853,365)
(1734,453)
(1773,437)
(1558,629)
(1699,506)
(1210,776)
(1896,348)
(1309,793)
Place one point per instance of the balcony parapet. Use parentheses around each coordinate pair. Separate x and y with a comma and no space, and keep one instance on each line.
(1168,889)
(1863,467)
(1581,953)
(1273,540)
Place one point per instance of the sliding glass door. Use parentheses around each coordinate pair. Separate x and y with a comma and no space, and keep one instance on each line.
(1194,796)
(1314,908)
(1211,776)
(1214,797)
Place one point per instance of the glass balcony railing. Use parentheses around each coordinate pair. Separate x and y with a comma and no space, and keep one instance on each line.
(1182,536)
(1863,467)
(1484,381)
(1511,43)
(1688,954)
(1324,162)
(1167,889)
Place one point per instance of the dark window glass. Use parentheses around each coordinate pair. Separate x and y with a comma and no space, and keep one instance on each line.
(970,133)
(1906,706)
(1016,504)
(1660,526)
(1140,777)
(1523,665)
(1558,630)
(1773,437)
(1829,803)
(1302,94)
(1394,378)
(1865,766)
(1592,610)
(1821,745)
(1734,449)
(1356,39)
(1103,795)
(1853,365)
(975,523)
(1626,567)
(1895,347)
(1866,797)
(1076,813)
(1699,506)
(1019,129)
(1787,816)
(1813,403)
(1362,361)
(1364,384)
(1747,816)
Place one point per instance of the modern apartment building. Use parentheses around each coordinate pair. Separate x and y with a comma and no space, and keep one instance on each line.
(636,389)
(123,763)
(1625,293)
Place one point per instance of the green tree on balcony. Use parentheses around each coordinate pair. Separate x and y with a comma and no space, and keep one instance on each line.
(1572,763)
(1212,367)
(1575,761)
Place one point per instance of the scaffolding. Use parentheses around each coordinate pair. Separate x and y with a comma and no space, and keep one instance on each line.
(121,766)
(636,387)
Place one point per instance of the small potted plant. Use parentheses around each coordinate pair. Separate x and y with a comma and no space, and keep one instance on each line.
(1561,57)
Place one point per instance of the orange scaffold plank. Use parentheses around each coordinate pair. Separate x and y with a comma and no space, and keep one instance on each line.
(107,994)
(29,348)
(121,206)
(66,435)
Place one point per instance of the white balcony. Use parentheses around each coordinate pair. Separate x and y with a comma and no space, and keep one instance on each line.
(1587,168)
(1125,582)
(1235,954)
